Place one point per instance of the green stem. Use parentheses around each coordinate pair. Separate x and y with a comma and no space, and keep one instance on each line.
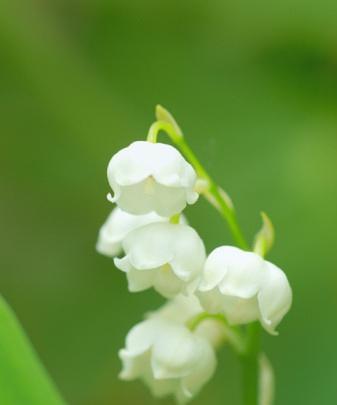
(250,365)
(226,211)
(249,351)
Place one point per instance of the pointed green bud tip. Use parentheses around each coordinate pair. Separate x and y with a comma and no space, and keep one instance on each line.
(264,239)
(164,115)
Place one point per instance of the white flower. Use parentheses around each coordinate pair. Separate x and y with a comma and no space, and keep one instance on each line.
(168,257)
(245,288)
(167,356)
(118,225)
(149,177)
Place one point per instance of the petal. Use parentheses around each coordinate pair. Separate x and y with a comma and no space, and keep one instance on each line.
(141,337)
(189,252)
(166,282)
(191,286)
(160,388)
(203,372)
(215,269)
(213,331)
(149,247)
(133,366)
(118,224)
(171,169)
(180,309)
(138,199)
(191,196)
(275,297)
(154,245)
(175,352)
(140,280)
(123,264)
(147,195)
(106,246)
(240,311)
(117,192)
(245,272)
(211,301)
(167,200)
(131,165)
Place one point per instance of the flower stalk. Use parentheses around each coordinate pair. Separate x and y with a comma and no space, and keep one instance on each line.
(249,351)
(212,192)
(232,335)
(250,365)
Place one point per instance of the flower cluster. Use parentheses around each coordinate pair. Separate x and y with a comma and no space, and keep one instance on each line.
(173,349)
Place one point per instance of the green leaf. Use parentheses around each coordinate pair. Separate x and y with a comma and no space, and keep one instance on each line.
(23,379)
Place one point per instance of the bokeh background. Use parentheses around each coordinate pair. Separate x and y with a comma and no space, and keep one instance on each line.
(254,86)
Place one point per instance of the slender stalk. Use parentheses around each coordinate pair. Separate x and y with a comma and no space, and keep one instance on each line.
(233,335)
(222,204)
(249,351)
(250,376)
(250,365)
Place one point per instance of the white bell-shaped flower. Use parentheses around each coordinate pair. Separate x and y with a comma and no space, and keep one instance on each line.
(168,257)
(148,176)
(168,357)
(118,225)
(245,288)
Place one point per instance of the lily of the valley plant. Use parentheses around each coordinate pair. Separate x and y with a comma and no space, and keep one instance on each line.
(223,298)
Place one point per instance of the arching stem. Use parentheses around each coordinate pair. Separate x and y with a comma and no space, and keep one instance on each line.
(248,348)
(212,192)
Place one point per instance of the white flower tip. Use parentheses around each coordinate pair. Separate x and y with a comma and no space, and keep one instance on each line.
(110,198)
(204,286)
(121,264)
(159,374)
(269,327)
(271,331)
(123,375)
(99,247)
(192,198)
(132,288)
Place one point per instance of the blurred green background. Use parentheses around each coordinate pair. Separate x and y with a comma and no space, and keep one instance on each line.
(254,86)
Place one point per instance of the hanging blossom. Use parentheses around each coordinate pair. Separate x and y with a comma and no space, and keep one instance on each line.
(148,176)
(118,225)
(168,357)
(244,287)
(168,257)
